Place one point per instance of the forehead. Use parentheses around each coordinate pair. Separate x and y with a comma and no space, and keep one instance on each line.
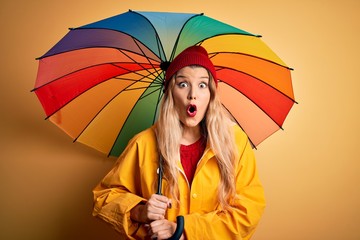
(193,70)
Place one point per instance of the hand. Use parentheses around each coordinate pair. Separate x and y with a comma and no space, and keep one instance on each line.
(154,209)
(162,229)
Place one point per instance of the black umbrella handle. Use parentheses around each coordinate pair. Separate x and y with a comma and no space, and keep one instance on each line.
(179,219)
(179,228)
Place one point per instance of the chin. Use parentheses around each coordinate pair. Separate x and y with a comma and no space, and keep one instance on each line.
(191,123)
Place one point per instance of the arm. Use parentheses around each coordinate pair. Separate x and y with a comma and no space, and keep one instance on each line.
(127,187)
(113,206)
(115,196)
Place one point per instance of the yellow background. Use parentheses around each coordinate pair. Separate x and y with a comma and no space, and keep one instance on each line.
(310,171)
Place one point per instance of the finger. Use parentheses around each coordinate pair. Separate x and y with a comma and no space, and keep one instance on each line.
(161,225)
(164,235)
(162,229)
(155,224)
(160,198)
(157,207)
(155,216)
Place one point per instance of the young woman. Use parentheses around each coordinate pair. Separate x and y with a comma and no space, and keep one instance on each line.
(210,175)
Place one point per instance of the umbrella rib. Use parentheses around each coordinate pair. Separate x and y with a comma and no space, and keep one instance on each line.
(126,89)
(216,35)
(158,42)
(249,55)
(135,72)
(144,96)
(108,29)
(81,69)
(132,80)
(99,46)
(293,100)
(161,50)
(155,79)
(172,56)
(141,97)
(224,34)
(147,56)
(137,62)
(259,106)
(137,88)
(122,127)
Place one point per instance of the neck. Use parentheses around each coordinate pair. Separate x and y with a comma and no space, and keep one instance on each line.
(190,135)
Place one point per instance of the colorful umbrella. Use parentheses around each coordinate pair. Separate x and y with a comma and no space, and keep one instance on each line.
(102,82)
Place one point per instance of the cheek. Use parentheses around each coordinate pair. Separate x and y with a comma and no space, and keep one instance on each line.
(206,105)
(177,101)
(205,99)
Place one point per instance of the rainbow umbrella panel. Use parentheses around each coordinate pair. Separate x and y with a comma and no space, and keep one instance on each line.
(102,82)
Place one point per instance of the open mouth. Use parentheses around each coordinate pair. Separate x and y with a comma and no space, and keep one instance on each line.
(191,110)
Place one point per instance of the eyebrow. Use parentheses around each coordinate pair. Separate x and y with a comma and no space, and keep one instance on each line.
(182,76)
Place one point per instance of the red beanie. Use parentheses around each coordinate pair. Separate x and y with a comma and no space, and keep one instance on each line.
(194,55)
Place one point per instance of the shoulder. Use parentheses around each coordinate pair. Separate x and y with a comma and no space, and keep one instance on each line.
(146,136)
(143,141)
(148,133)
(238,132)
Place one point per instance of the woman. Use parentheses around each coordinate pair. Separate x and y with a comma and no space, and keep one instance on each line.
(210,174)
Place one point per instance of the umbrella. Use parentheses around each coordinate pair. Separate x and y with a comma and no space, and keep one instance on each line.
(102,82)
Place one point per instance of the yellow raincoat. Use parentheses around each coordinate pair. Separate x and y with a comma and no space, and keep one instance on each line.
(134,179)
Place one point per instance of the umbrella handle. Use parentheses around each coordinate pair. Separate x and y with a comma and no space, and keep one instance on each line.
(179,229)
(179,219)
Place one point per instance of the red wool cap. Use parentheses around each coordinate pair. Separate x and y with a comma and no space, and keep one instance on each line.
(194,55)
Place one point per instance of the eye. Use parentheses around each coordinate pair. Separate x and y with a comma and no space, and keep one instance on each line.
(203,85)
(182,84)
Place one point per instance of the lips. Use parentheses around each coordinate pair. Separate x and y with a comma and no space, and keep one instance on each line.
(191,110)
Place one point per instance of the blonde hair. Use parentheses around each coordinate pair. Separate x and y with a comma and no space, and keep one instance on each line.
(216,121)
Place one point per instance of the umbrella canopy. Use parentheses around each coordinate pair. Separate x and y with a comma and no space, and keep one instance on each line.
(102,82)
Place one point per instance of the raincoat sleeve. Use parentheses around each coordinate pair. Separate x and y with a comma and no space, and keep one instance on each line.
(241,220)
(119,192)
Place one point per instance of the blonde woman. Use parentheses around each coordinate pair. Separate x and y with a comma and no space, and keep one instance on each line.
(210,175)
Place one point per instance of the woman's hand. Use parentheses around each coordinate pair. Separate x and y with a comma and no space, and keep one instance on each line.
(163,229)
(154,209)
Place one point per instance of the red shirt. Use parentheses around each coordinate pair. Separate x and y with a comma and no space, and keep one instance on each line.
(190,156)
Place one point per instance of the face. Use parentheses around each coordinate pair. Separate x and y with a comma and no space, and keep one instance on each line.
(191,95)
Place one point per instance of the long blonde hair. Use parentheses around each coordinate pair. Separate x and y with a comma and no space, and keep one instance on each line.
(216,127)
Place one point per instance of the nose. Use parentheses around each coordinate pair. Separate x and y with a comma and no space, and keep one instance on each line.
(192,94)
